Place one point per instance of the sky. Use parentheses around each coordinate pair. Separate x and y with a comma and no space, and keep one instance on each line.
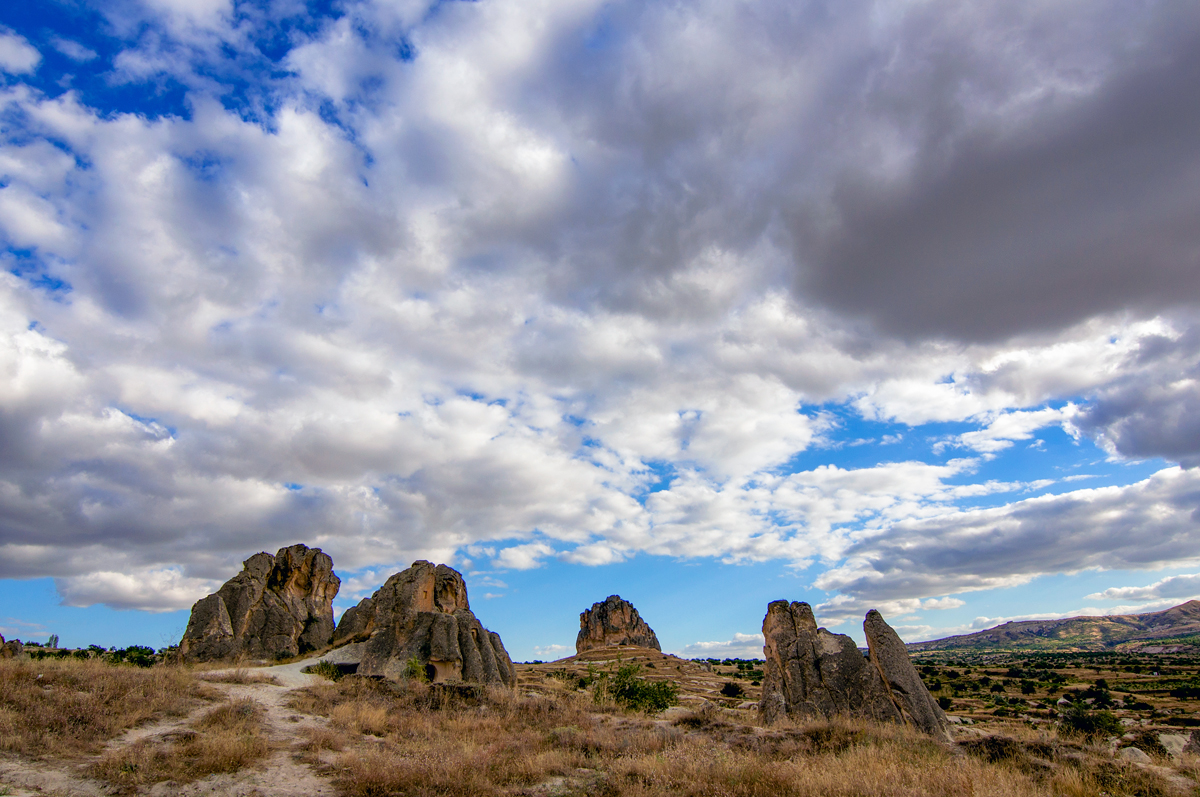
(885,305)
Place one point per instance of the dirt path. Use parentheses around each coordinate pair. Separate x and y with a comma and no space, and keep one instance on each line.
(281,775)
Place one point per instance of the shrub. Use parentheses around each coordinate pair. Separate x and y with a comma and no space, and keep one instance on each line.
(325,669)
(730,689)
(1077,719)
(944,703)
(414,670)
(627,689)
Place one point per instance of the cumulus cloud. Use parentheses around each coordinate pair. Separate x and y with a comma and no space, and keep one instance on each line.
(1172,587)
(149,590)
(575,281)
(17,56)
(1145,525)
(742,646)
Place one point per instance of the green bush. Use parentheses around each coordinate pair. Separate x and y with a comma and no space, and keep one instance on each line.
(628,689)
(1078,720)
(325,669)
(414,670)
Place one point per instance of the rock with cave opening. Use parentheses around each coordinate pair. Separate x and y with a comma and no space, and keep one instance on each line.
(278,606)
(612,622)
(422,613)
(811,672)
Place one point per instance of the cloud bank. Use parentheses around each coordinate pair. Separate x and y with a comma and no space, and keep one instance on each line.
(576,281)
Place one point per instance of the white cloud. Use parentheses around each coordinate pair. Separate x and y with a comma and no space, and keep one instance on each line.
(552,651)
(498,289)
(1146,525)
(1007,427)
(1172,588)
(742,646)
(73,49)
(523,557)
(17,56)
(148,590)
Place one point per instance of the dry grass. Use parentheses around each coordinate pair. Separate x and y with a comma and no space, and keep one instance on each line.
(400,740)
(239,676)
(69,707)
(226,739)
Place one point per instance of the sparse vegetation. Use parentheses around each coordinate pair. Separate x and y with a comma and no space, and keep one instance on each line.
(226,739)
(69,706)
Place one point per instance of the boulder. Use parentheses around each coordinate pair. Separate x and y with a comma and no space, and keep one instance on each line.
(12,649)
(423,613)
(278,606)
(613,622)
(901,682)
(1192,747)
(812,673)
(1134,755)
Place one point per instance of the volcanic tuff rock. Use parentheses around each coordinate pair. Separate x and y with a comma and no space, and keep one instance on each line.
(811,672)
(12,649)
(613,622)
(278,606)
(423,613)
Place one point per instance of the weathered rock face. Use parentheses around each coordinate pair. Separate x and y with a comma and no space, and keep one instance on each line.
(12,649)
(279,605)
(423,613)
(613,622)
(811,672)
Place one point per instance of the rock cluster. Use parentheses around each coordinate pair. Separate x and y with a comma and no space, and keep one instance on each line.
(613,622)
(278,606)
(422,613)
(811,672)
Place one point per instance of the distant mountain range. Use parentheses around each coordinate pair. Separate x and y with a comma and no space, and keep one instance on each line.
(1176,627)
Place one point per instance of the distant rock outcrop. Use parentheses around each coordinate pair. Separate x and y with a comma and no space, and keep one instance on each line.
(613,622)
(278,606)
(12,649)
(422,613)
(811,672)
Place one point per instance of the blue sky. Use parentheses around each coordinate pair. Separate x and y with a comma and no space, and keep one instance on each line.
(882,305)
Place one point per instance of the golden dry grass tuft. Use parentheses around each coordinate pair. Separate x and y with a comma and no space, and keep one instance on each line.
(68,707)
(240,676)
(226,739)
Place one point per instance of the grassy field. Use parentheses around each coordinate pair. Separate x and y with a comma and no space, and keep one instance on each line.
(553,736)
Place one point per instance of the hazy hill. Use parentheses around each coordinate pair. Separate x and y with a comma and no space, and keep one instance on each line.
(1178,625)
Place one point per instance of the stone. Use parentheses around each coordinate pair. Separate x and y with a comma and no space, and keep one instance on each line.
(812,673)
(423,613)
(1173,743)
(1134,755)
(1193,743)
(12,649)
(903,685)
(613,622)
(278,606)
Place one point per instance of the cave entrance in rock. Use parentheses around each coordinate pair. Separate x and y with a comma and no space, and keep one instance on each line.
(431,673)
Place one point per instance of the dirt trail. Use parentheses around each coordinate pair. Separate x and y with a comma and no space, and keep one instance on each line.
(279,776)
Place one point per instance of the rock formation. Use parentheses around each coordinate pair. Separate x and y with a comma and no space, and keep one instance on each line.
(12,649)
(422,613)
(613,622)
(811,672)
(278,606)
